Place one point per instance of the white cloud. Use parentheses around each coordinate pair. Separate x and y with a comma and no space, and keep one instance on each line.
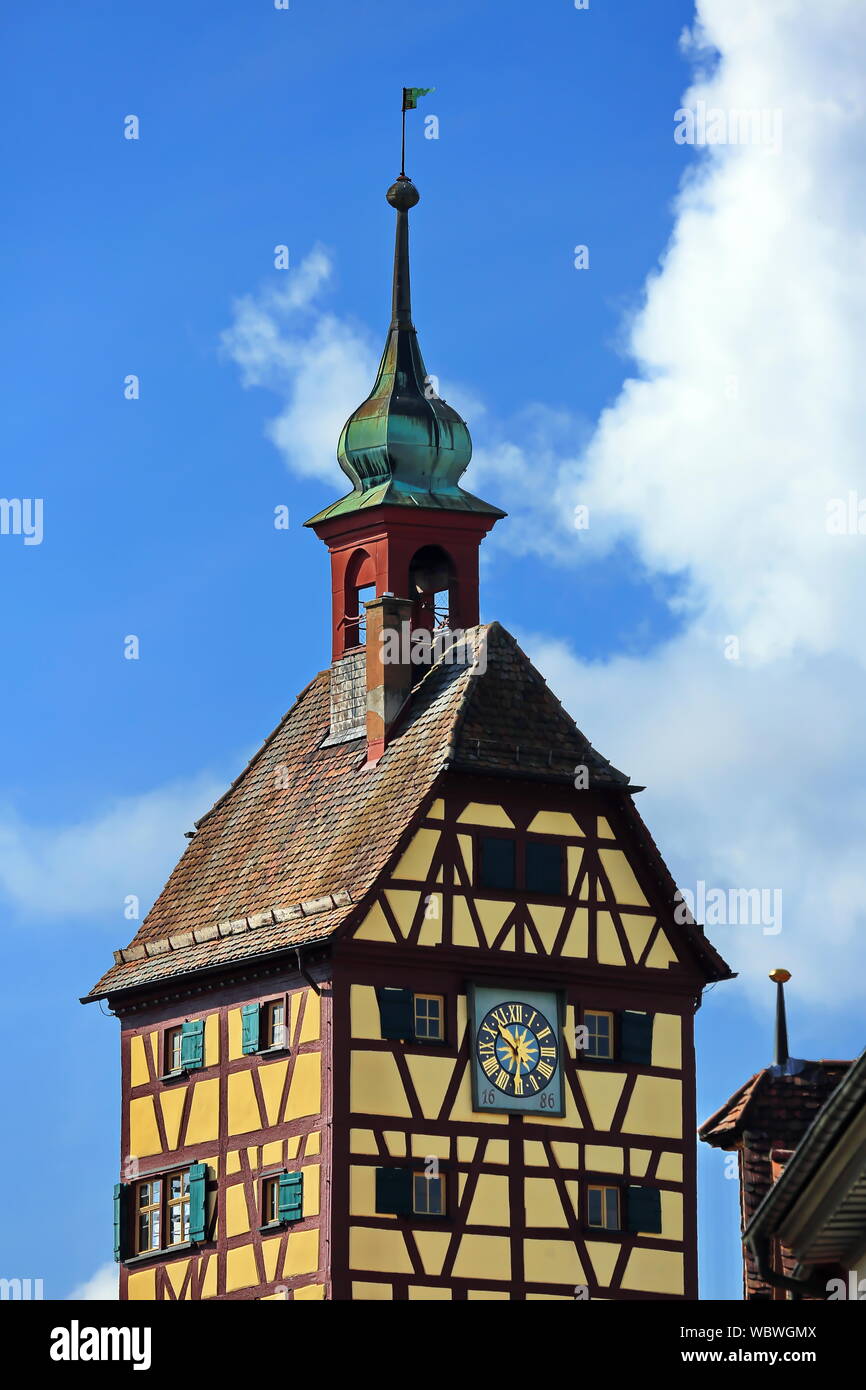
(88,870)
(101,1287)
(321,366)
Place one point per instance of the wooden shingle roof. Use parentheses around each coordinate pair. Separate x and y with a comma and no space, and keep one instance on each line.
(288,852)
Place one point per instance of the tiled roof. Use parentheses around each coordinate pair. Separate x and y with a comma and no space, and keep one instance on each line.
(773,1104)
(287,853)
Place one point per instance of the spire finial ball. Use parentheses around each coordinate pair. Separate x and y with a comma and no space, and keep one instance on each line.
(780,977)
(403,194)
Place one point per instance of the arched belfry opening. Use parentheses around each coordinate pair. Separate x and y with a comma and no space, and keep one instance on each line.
(433,587)
(359,585)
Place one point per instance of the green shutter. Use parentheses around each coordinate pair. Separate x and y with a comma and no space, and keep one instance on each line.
(397,1013)
(192,1044)
(394,1191)
(250,1018)
(197,1201)
(291,1196)
(645,1210)
(635,1037)
(119,1221)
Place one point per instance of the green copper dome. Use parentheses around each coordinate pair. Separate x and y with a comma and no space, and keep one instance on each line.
(404,445)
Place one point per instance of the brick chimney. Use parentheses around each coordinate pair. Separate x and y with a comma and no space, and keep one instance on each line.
(389,669)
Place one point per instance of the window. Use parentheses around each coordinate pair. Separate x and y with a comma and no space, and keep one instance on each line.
(173,1040)
(149,1205)
(282,1198)
(274,1021)
(429,1017)
(498,863)
(534,866)
(264,1026)
(400,1191)
(626,1036)
(410,1017)
(603,1208)
(270,1201)
(178,1207)
(428,1194)
(599,1026)
(543,867)
(160,1211)
(638,1209)
(183,1047)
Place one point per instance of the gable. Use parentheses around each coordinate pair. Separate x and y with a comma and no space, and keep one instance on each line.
(612,909)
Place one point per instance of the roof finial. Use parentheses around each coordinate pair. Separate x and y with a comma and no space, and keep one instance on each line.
(780,978)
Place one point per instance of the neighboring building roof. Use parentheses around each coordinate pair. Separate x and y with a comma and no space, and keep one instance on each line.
(289,851)
(776,1095)
(817,1208)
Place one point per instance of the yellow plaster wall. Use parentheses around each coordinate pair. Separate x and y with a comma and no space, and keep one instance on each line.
(143,1132)
(415,862)
(655,1108)
(375,1085)
(486,813)
(654,1271)
(382,1251)
(138,1072)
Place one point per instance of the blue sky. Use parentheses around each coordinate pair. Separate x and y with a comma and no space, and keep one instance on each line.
(260,127)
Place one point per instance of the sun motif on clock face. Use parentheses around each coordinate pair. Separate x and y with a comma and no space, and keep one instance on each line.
(517,1048)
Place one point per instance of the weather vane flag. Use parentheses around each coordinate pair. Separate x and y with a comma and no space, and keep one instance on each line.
(410,102)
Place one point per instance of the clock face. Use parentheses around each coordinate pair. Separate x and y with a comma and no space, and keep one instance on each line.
(516,1063)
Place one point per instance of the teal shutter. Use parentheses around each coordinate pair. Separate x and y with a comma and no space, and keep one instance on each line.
(192,1044)
(645,1210)
(394,1191)
(119,1220)
(250,1018)
(397,1013)
(197,1201)
(291,1196)
(635,1037)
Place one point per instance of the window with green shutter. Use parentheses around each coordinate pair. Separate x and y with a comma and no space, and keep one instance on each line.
(192,1044)
(291,1201)
(394,1191)
(635,1037)
(250,1027)
(644,1208)
(197,1201)
(120,1201)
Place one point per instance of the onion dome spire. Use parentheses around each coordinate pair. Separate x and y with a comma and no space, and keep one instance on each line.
(404,445)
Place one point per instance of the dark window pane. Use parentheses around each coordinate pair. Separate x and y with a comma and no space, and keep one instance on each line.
(497,863)
(595,1211)
(543,867)
(612,1215)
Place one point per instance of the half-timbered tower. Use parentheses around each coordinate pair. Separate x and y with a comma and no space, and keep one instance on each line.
(412,1018)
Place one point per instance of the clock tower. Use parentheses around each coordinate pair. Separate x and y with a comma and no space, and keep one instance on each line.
(412,1018)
